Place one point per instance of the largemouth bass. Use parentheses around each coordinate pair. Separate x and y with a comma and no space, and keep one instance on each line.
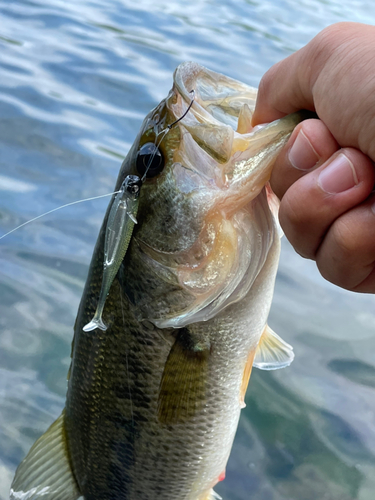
(154,400)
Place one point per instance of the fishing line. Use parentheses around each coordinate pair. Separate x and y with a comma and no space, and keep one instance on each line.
(58,208)
(186,112)
(164,132)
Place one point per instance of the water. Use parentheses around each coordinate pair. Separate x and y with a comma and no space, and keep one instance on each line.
(77,78)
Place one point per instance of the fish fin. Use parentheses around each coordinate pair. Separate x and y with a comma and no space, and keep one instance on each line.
(246,377)
(183,385)
(45,473)
(211,495)
(272,351)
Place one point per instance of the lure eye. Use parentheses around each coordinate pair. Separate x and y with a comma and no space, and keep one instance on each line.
(133,184)
(149,160)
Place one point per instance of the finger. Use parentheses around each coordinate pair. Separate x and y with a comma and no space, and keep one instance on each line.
(312,204)
(347,255)
(310,145)
(275,97)
(321,77)
(282,91)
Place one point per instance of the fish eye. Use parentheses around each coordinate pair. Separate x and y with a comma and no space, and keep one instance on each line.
(149,160)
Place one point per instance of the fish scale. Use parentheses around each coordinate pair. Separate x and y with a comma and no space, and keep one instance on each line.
(136,473)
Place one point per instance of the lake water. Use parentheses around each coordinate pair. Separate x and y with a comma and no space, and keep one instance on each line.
(76,80)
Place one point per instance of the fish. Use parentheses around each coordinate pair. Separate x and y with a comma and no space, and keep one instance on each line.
(153,401)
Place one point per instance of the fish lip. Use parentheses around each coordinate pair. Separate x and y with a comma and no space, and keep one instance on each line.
(185,75)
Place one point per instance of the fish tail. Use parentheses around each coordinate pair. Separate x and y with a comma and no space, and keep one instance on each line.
(45,473)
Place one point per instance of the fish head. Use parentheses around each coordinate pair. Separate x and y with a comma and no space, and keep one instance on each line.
(204,220)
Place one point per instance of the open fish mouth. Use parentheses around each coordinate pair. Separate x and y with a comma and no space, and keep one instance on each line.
(219,123)
(220,223)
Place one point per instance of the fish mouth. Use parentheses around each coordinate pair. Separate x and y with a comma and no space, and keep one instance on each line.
(221,107)
(239,157)
(222,166)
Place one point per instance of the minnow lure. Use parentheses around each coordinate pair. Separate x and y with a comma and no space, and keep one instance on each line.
(120,225)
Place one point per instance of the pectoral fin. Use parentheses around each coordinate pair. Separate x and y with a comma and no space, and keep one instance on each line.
(183,385)
(45,473)
(272,352)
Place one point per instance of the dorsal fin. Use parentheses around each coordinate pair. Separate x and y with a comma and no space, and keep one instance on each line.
(272,351)
(45,473)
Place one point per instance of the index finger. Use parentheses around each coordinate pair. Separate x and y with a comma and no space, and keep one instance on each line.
(282,91)
(308,79)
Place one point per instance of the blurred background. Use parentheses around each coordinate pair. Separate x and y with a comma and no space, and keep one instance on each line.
(76,80)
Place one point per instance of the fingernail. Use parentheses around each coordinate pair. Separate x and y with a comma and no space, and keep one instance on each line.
(338,176)
(302,155)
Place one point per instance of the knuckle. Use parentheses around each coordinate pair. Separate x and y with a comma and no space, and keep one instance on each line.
(323,46)
(331,271)
(332,36)
(347,254)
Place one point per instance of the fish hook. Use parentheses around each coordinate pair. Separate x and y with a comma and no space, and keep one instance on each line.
(164,133)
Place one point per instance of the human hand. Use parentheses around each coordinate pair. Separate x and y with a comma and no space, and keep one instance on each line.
(325,175)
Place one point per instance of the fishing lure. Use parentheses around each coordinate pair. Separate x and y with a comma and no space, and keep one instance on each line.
(120,225)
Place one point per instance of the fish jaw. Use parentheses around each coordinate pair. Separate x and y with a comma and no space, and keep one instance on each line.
(249,170)
(241,157)
(236,166)
(220,226)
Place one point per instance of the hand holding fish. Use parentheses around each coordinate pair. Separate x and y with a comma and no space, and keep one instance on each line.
(325,175)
